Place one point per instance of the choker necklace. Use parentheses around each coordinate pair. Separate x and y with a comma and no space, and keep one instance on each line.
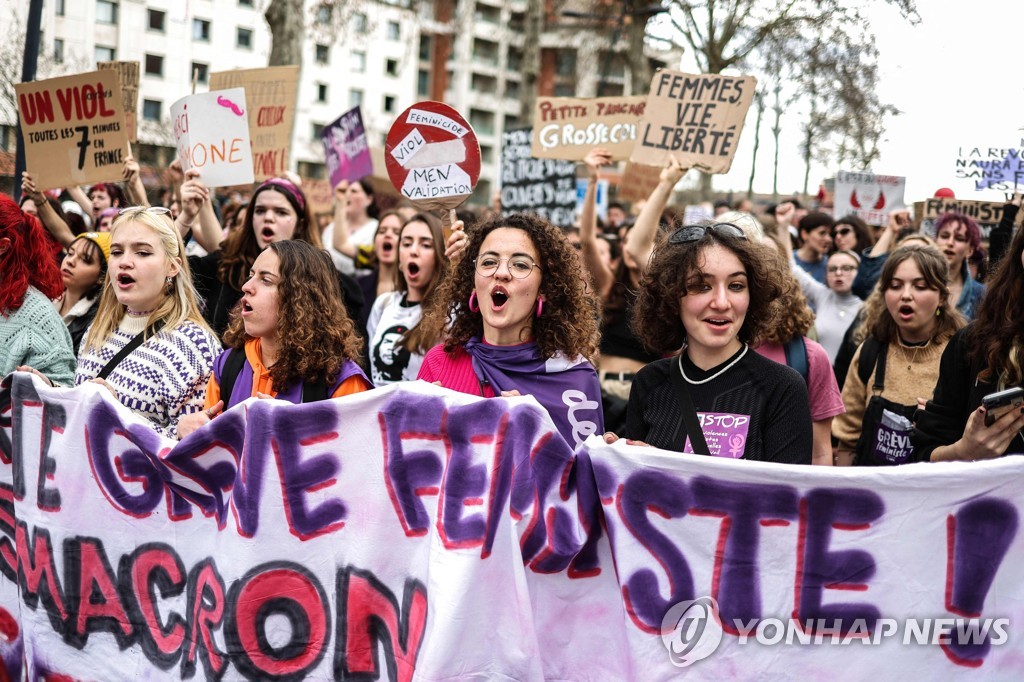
(912,350)
(716,374)
(141,313)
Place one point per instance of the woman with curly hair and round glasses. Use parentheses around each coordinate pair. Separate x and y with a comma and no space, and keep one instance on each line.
(521,323)
(706,298)
(301,352)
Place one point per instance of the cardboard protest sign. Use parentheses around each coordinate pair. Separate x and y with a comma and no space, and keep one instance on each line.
(270,94)
(696,118)
(211,132)
(544,187)
(432,156)
(346,149)
(320,195)
(999,167)
(987,214)
(638,181)
(74,129)
(128,74)
(366,538)
(568,127)
(868,196)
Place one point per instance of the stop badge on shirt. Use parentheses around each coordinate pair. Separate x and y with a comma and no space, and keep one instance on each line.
(432,156)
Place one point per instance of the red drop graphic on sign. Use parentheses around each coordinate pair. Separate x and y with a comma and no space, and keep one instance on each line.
(880,204)
(854,201)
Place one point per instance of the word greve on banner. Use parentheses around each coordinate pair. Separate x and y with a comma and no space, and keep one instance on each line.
(415,533)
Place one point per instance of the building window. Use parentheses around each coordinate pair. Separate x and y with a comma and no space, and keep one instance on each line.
(106,12)
(59,8)
(151,109)
(512,89)
(355,98)
(515,59)
(484,84)
(357,62)
(564,90)
(324,13)
(318,131)
(487,13)
(201,30)
(359,23)
(321,92)
(486,154)
(154,65)
(243,38)
(323,54)
(482,121)
(104,54)
(485,51)
(58,50)
(424,48)
(565,63)
(394,30)
(389,104)
(201,72)
(156,20)
(391,67)
(245,3)
(423,83)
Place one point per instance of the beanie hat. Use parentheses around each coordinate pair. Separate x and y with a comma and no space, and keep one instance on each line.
(100,239)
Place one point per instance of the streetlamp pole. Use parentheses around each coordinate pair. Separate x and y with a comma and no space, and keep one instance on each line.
(28,73)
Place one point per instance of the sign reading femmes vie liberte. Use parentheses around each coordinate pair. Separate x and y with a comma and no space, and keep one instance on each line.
(432,156)
(73,128)
(270,94)
(697,119)
(568,128)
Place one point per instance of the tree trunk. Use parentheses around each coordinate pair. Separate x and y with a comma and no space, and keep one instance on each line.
(759,103)
(287,27)
(636,60)
(776,130)
(531,59)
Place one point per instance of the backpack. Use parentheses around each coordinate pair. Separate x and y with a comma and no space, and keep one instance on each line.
(796,356)
(311,392)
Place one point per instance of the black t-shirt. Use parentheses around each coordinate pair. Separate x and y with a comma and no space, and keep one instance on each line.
(773,396)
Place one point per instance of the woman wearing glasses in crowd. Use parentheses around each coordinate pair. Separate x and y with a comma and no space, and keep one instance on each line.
(850,233)
(709,291)
(301,352)
(149,344)
(521,323)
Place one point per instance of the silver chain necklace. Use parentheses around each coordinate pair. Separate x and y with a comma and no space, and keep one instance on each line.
(716,374)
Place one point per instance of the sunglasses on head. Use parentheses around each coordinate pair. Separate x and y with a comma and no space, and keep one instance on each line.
(156,210)
(693,233)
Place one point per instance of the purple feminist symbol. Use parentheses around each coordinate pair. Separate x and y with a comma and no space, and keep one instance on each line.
(736,444)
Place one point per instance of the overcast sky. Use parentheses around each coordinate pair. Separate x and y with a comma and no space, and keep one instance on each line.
(956,77)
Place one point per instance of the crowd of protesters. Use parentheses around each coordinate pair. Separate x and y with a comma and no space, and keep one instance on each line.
(770,333)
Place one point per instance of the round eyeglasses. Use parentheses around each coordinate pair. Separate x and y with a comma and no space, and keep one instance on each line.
(519,267)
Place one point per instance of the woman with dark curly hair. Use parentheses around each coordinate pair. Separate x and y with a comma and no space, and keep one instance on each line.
(709,291)
(521,322)
(300,352)
(908,321)
(985,357)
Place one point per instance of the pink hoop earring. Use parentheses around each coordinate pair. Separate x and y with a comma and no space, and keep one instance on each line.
(540,306)
(474,307)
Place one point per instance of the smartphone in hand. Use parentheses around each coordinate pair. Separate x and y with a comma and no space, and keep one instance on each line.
(998,404)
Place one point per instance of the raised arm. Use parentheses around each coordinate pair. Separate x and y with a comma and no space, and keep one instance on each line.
(601,275)
(194,194)
(47,216)
(82,199)
(133,186)
(812,288)
(342,236)
(640,244)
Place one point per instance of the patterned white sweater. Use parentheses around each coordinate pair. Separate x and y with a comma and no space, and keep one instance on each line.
(161,380)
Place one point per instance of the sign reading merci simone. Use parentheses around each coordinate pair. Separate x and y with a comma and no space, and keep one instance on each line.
(271,95)
(432,156)
(568,128)
(73,128)
(696,119)
(212,134)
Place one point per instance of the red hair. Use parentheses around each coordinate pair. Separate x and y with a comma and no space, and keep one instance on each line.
(30,260)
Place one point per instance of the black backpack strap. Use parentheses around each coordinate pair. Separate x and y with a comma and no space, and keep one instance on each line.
(314,391)
(136,341)
(687,412)
(879,382)
(232,368)
(868,358)
(796,356)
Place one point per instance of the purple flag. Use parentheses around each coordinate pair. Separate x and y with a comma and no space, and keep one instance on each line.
(345,148)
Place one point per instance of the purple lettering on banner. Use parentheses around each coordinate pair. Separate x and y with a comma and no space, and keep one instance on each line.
(670,498)
(742,506)
(978,536)
(132,464)
(821,511)
(411,474)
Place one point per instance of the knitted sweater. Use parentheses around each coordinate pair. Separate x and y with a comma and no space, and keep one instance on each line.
(161,380)
(34,335)
(910,373)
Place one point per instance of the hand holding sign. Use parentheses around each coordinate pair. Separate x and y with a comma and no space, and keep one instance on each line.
(432,156)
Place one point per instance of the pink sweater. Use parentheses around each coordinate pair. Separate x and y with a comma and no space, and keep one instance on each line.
(454,371)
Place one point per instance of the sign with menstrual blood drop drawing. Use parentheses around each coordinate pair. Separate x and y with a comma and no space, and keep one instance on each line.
(432,156)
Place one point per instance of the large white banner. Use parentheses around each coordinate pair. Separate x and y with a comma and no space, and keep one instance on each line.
(415,533)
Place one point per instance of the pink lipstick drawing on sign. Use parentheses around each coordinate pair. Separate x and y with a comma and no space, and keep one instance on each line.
(225,102)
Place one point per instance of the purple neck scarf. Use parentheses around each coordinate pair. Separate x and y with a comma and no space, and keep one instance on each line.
(568,389)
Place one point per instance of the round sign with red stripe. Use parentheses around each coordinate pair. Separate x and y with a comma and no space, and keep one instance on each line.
(432,156)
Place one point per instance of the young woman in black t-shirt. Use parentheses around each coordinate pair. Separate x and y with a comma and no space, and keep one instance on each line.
(709,292)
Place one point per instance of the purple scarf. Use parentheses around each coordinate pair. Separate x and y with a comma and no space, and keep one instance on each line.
(568,389)
(293,394)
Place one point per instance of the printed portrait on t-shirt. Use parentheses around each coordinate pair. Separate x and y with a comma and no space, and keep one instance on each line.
(390,358)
